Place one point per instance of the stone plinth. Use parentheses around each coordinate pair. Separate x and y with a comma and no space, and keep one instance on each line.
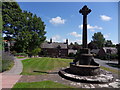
(85,70)
(85,59)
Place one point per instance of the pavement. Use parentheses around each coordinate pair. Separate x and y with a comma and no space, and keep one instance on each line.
(103,63)
(9,78)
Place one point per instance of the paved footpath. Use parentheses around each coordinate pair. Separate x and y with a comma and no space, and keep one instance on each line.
(9,78)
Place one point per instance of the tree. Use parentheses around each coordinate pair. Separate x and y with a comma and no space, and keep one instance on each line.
(92,45)
(71,43)
(11,20)
(25,28)
(109,43)
(98,39)
(32,34)
(75,43)
(11,15)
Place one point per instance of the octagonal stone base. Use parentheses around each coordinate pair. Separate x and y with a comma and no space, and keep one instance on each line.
(104,77)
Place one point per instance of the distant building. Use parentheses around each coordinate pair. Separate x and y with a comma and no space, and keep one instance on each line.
(94,51)
(54,49)
(107,50)
(72,51)
(8,45)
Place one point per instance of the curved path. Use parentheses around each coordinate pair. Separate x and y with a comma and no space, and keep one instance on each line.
(103,63)
(9,78)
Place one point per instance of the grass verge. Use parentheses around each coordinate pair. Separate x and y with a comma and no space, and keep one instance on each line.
(20,57)
(37,66)
(42,84)
(111,70)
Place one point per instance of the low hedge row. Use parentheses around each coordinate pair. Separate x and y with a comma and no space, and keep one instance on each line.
(7,61)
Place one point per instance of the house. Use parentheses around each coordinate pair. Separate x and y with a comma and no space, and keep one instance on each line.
(107,50)
(72,51)
(94,51)
(54,49)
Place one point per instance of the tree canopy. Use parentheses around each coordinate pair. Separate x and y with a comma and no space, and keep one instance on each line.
(25,28)
(98,39)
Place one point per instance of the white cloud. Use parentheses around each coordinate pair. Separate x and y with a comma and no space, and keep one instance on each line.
(91,28)
(75,34)
(107,35)
(79,41)
(56,38)
(64,40)
(105,18)
(115,42)
(57,20)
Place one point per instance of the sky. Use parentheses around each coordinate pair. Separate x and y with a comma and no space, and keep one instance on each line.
(63,20)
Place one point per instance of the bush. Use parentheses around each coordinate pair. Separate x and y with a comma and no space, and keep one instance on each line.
(21,54)
(7,61)
(71,55)
(113,56)
(105,57)
(13,52)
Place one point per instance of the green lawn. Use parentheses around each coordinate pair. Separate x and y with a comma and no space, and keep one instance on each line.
(20,57)
(111,70)
(37,66)
(42,84)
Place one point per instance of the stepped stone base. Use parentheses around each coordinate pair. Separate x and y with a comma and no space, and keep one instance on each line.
(84,70)
(104,77)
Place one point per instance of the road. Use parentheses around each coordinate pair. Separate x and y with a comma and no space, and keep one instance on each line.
(103,63)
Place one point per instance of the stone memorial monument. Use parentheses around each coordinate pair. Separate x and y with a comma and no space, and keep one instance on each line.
(86,65)
(83,67)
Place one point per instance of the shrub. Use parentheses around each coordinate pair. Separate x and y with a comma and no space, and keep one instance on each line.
(13,52)
(36,51)
(71,55)
(7,61)
(21,54)
(105,57)
(113,56)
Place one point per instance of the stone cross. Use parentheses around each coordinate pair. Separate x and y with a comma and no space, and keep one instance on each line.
(85,11)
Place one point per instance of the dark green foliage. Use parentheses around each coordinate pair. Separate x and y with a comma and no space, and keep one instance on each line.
(71,55)
(11,15)
(92,45)
(32,34)
(25,28)
(113,56)
(98,39)
(21,54)
(109,57)
(109,43)
(105,57)
(7,61)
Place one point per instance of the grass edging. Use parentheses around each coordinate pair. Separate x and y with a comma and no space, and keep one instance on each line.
(111,70)
(41,84)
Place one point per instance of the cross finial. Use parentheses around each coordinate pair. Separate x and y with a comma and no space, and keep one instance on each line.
(85,10)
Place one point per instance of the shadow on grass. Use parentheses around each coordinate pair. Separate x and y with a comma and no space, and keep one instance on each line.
(113,65)
(46,72)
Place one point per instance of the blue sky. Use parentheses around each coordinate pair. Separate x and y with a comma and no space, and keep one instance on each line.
(63,20)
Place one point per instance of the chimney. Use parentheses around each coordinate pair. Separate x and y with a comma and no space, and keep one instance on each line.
(51,40)
(66,41)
